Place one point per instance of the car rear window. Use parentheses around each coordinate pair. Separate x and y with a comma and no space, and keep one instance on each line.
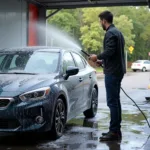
(138,61)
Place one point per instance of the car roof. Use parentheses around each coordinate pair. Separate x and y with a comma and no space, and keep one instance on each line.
(36,48)
(32,49)
(142,60)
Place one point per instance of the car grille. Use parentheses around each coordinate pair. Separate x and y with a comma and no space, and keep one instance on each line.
(9,123)
(4,102)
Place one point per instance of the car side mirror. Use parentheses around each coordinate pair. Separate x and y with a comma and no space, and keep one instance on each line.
(71,70)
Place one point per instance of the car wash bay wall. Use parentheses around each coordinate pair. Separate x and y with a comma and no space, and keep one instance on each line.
(13,23)
(18,24)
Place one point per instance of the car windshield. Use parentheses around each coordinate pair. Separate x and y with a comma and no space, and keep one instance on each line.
(38,62)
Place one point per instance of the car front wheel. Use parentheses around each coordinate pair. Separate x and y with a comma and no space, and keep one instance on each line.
(90,113)
(59,119)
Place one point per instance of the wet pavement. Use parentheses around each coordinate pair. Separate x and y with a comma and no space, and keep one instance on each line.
(83,134)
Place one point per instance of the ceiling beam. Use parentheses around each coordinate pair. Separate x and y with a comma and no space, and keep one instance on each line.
(59,4)
(97,4)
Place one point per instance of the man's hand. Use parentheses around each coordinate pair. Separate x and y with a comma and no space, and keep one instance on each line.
(99,63)
(93,57)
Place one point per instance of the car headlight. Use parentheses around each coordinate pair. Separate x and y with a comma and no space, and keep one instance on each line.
(37,94)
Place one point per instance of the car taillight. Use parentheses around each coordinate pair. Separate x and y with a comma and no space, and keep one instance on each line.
(139,65)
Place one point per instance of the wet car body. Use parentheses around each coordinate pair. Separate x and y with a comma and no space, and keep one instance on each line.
(20,116)
(29,100)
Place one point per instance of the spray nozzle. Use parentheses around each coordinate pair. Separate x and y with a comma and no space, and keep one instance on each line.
(99,62)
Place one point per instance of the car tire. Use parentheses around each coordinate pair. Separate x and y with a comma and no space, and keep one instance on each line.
(134,70)
(59,119)
(90,113)
(143,69)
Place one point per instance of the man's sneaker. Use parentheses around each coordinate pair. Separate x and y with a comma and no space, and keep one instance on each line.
(104,134)
(111,136)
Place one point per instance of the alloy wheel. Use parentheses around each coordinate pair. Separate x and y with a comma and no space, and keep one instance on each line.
(94,101)
(60,118)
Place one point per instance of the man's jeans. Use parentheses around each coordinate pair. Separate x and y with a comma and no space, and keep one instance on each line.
(113,84)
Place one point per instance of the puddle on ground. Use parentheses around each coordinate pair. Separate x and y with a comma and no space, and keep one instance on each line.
(140,88)
(83,134)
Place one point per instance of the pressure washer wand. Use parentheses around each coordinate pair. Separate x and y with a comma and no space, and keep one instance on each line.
(85,53)
(100,63)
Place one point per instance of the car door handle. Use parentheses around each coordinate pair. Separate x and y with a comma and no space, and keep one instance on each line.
(90,76)
(80,79)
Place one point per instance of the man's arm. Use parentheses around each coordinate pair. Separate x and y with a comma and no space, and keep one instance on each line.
(110,48)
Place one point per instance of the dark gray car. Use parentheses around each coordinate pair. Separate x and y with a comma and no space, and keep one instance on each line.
(42,88)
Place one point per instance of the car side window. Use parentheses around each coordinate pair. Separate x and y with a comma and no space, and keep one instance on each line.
(78,60)
(67,61)
(85,63)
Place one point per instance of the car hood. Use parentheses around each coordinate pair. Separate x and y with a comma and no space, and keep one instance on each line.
(16,83)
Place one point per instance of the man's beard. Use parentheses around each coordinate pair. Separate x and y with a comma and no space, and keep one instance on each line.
(103,26)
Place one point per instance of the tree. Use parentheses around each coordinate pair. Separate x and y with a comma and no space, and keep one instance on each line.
(66,21)
(92,34)
(120,23)
(92,37)
(140,19)
(84,24)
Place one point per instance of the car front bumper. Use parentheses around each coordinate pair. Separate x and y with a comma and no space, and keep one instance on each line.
(27,116)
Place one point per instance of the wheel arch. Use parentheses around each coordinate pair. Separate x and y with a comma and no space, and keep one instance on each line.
(64,99)
(144,67)
(96,87)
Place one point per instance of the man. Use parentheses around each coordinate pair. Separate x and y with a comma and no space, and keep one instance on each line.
(114,70)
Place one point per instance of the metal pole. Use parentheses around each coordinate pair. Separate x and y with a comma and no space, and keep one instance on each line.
(126,60)
(52,40)
(53,13)
(46,32)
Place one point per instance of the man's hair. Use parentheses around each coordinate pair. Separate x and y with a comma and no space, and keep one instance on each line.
(107,15)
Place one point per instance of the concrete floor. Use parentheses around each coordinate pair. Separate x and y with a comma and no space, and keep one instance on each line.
(83,134)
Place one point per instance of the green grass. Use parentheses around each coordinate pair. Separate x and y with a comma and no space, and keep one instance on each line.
(99,70)
(129,70)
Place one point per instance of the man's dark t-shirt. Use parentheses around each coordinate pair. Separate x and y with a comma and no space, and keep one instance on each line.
(113,55)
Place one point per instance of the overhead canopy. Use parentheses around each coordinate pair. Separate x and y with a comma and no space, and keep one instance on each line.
(57,4)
